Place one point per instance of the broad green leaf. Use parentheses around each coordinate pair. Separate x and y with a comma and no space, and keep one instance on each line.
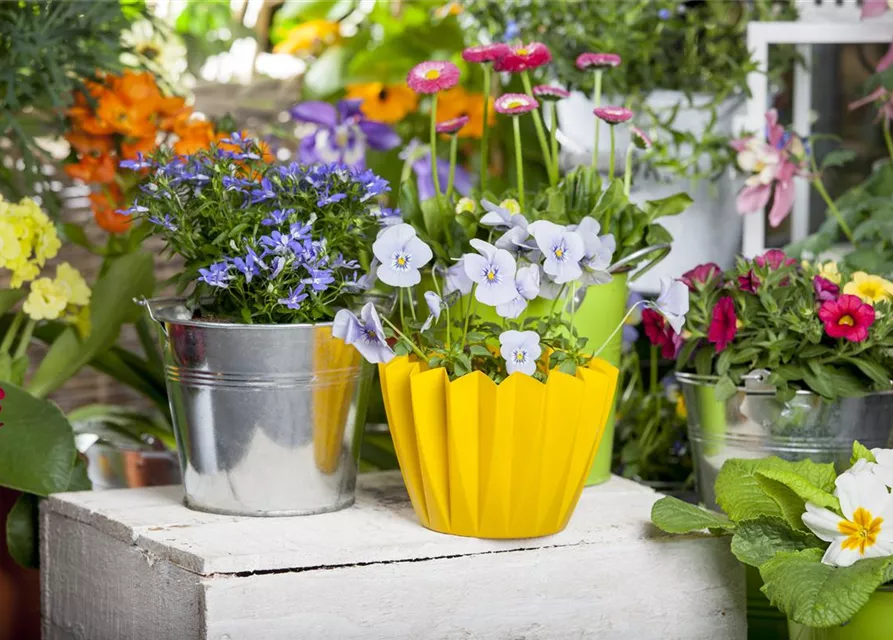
(802,487)
(669,206)
(819,595)
(757,541)
(877,372)
(838,158)
(675,516)
(21,531)
(9,298)
(79,480)
(36,444)
(790,505)
(861,452)
(128,277)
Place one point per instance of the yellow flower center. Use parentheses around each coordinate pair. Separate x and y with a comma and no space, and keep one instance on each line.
(862,531)
(559,252)
(871,290)
(491,275)
(514,104)
(401,261)
(432,74)
(523,51)
(846,320)
(519,356)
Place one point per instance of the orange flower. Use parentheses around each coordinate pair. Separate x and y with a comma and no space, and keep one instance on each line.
(138,89)
(194,135)
(131,120)
(84,119)
(91,168)
(104,204)
(91,145)
(134,146)
(173,110)
(457,102)
(384,102)
(309,37)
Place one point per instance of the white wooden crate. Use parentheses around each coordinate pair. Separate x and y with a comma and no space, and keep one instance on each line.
(135,564)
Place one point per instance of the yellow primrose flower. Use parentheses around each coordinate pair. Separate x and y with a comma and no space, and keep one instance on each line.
(70,277)
(465,205)
(869,288)
(23,272)
(47,299)
(511,205)
(830,272)
(11,248)
(47,245)
(309,37)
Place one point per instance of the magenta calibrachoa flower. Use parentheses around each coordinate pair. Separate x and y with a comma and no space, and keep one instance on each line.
(597,61)
(524,57)
(433,76)
(520,350)
(451,126)
(514,104)
(485,53)
(550,92)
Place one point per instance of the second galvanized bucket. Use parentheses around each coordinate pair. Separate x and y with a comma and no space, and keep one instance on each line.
(268,418)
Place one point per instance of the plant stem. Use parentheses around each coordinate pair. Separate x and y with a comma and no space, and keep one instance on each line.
(485,136)
(446,307)
(410,300)
(434,144)
(618,327)
(820,187)
(611,159)
(409,342)
(573,303)
(654,363)
(627,175)
(553,110)
(400,298)
(557,299)
(11,332)
(519,161)
(887,138)
(454,145)
(472,306)
(540,132)
(25,339)
(597,101)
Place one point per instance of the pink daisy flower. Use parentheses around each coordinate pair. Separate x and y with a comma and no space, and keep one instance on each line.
(485,52)
(451,126)
(551,93)
(433,76)
(639,139)
(524,57)
(598,60)
(514,104)
(613,115)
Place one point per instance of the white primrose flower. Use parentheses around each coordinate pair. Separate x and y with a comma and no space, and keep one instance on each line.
(457,280)
(866,528)
(562,248)
(527,285)
(493,270)
(520,349)
(598,251)
(502,216)
(672,302)
(401,254)
(883,469)
(435,306)
(364,333)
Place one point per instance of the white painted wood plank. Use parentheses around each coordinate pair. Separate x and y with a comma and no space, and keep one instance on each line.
(802,125)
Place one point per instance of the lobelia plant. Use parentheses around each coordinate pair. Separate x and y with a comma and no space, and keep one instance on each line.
(821,541)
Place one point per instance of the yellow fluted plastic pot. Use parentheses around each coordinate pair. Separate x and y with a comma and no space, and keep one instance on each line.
(495,461)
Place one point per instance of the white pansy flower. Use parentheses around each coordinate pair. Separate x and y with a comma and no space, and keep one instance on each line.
(502,217)
(520,349)
(672,302)
(401,254)
(435,305)
(562,248)
(457,280)
(364,333)
(527,285)
(493,271)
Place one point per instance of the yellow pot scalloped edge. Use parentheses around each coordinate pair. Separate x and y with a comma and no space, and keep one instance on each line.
(496,461)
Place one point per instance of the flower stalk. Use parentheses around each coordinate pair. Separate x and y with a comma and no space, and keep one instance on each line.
(540,133)
(597,101)
(485,135)
(519,161)
(823,192)
(434,176)
(454,145)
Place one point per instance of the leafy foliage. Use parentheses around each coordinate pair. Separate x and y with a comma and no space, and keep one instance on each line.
(675,516)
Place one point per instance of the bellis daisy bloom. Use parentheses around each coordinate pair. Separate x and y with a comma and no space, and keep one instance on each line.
(550,92)
(401,254)
(514,104)
(365,333)
(451,126)
(493,271)
(485,52)
(613,115)
(524,57)
(598,61)
(562,248)
(847,317)
(869,288)
(433,76)
(520,350)
(639,139)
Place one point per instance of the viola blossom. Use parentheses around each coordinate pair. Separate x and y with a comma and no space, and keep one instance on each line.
(435,306)
(866,528)
(451,126)
(520,349)
(458,280)
(342,134)
(527,285)
(703,274)
(433,76)
(661,334)
(295,298)
(277,217)
(847,317)
(869,288)
(216,275)
(485,52)
(723,324)
(613,115)
(550,93)
(365,333)
(516,240)
(523,58)
(514,104)
(598,251)
(825,290)
(401,255)
(563,249)
(672,302)
(493,271)
(598,61)
(502,216)
(639,139)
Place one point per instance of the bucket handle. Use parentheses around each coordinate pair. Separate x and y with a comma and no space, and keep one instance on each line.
(141,301)
(662,250)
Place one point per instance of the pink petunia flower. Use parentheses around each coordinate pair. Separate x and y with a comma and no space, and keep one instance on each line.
(485,52)
(639,138)
(774,259)
(749,282)
(702,274)
(825,290)
(847,317)
(598,61)
(613,115)
(724,324)
(515,104)
(524,57)
(550,93)
(433,76)
(452,125)
(661,334)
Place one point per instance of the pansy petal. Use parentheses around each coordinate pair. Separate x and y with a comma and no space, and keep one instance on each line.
(421,252)
(379,136)
(321,113)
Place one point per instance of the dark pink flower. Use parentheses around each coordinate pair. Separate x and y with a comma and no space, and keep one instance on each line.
(825,290)
(724,324)
(433,76)
(774,259)
(749,282)
(613,115)
(515,103)
(452,125)
(874,8)
(524,57)
(485,52)
(550,93)
(639,139)
(847,317)
(661,334)
(702,274)
(598,60)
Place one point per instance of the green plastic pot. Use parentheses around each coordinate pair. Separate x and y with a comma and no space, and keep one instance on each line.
(873,622)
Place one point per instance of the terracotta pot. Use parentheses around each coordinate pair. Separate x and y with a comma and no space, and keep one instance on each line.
(19,587)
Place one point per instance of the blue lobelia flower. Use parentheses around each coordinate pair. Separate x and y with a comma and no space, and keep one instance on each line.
(325,198)
(250,265)
(342,133)
(299,232)
(264,192)
(664,14)
(236,184)
(520,350)
(276,243)
(164,222)
(319,279)
(512,31)
(216,275)
(277,217)
(372,184)
(340,263)
(137,165)
(295,298)
(365,333)
(386,217)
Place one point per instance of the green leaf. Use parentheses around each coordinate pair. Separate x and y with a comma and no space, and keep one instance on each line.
(838,158)
(877,372)
(819,595)
(861,452)
(21,531)
(36,444)
(675,516)
(791,506)
(802,487)
(757,541)
(669,206)
(9,298)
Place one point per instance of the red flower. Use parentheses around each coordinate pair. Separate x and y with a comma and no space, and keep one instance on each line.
(749,282)
(485,53)
(524,57)
(724,324)
(661,334)
(774,258)
(825,290)
(702,274)
(847,317)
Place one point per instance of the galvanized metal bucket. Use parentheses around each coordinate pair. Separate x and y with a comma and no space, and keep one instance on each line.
(268,418)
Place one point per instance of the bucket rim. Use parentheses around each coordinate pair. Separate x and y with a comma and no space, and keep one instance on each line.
(158,315)
(696,380)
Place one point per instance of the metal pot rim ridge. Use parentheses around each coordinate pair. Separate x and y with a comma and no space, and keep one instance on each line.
(709,381)
(158,314)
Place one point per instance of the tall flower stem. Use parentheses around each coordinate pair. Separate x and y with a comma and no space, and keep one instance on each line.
(573,304)
(820,187)
(472,307)
(628,170)
(408,342)
(11,332)
(553,112)
(446,308)
(887,138)
(597,101)
(485,135)
(611,159)
(619,327)
(519,161)
(400,298)
(454,145)
(25,340)
(434,144)
(540,131)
